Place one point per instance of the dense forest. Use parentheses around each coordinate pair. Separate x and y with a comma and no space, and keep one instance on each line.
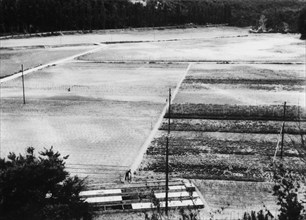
(31,16)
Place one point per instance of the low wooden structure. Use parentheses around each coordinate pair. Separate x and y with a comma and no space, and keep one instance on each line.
(144,197)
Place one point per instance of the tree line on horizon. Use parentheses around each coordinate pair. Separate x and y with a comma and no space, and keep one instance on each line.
(32,16)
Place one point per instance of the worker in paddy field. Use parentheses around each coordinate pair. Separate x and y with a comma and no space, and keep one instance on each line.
(128,176)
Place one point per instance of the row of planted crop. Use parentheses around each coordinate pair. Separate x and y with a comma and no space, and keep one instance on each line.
(234,126)
(219,166)
(242,112)
(290,82)
(195,146)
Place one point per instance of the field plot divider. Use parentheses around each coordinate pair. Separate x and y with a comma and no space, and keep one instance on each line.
(31,70)
(146,144)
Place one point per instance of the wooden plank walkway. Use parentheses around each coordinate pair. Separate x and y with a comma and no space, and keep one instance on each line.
(139,197)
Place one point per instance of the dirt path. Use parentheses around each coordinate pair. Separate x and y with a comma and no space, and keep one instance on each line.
(34,69)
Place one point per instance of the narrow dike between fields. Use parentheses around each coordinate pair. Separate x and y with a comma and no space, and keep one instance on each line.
(150,138)
(40,67)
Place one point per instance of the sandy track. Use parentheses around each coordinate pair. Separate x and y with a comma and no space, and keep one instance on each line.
(31,70)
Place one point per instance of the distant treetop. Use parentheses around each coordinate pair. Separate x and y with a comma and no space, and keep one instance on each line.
(24,16)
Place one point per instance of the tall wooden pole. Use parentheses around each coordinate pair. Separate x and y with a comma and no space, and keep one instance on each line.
(24,102)
(283,132)
(305,77)
(167,154)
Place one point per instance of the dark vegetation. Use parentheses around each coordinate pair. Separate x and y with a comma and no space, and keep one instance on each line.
(31,16)
(302,23)
(232,112)
(194,146)
(234,126)
(287,190)
(196,155)
(290,82)
(219,166)
(38,188)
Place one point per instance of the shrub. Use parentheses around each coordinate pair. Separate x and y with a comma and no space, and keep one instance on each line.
(39,188)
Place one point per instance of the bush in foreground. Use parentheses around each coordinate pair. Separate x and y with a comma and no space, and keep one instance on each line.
(39,188)
(286,189)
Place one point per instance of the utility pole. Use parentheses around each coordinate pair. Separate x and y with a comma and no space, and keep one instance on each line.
(283,132)
(167,154)
(24,102)
(305,77)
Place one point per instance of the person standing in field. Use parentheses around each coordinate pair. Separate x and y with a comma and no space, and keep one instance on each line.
(128,176)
